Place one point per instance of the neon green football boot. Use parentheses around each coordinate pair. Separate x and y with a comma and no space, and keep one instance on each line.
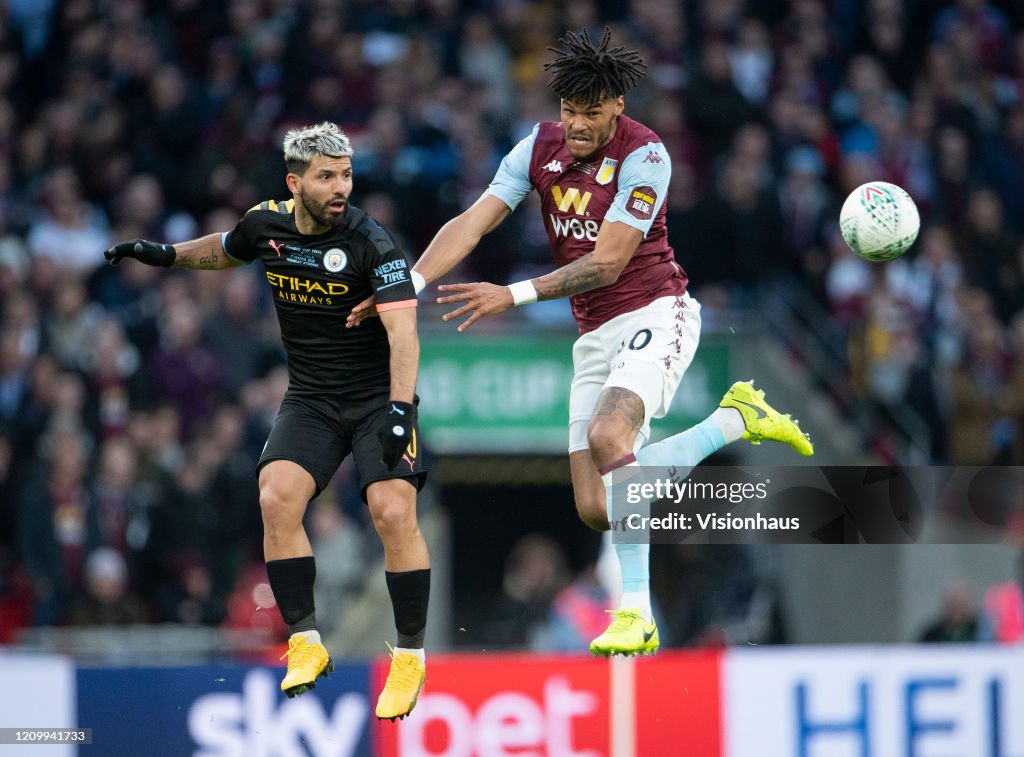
(629,634)
(763,421)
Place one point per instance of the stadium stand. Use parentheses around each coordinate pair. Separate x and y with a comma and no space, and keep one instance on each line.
(133,402)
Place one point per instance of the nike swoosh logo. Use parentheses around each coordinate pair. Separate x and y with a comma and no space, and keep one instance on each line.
(760,411)
(649,634)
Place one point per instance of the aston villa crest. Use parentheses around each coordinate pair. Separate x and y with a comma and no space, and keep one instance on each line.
(606,171)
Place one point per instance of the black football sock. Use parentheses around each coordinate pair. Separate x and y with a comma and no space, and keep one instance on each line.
(292,580)
(410,591)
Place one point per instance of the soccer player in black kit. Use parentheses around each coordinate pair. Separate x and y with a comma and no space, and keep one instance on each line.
(350,391)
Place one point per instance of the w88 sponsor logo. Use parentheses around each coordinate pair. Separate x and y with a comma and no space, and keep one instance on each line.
(575,227)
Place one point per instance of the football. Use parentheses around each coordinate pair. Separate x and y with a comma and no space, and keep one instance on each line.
(879,221)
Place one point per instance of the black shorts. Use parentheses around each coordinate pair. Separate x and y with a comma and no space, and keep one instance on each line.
(312,435)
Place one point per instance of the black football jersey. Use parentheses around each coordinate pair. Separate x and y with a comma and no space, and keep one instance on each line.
(316,280)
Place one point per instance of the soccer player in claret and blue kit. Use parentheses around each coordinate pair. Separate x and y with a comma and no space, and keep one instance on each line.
(602,179)
(349,392)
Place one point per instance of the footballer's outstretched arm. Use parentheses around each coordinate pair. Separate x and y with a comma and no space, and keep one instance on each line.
(204,252)
(400,324)
(616,243)
(460,236)
(452,243)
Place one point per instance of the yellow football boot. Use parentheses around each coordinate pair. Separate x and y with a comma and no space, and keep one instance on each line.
(402,689)
(306,663)
(629,634)
(763,421)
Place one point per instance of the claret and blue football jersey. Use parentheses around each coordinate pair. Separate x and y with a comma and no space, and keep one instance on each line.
(625,182)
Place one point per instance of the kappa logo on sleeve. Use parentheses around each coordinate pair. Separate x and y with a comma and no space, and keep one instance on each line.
(640,203)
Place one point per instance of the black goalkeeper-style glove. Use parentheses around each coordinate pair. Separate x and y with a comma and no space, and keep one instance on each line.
(396,432)
(150,253)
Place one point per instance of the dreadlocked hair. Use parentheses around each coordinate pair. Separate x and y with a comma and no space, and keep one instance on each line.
(584,72)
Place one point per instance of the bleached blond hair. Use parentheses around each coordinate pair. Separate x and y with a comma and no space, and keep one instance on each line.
(301,145)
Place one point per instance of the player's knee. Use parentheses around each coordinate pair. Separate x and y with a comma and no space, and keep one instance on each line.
(393,519)
(392,505)
(592,512)
(606,443)
(279,511)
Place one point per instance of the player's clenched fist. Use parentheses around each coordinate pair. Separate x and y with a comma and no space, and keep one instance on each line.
(396,432)
(150,253)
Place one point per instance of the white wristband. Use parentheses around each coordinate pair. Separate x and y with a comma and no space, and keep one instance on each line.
(523,292)
(418,282)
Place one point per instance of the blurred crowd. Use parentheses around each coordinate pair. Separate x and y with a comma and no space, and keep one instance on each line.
(134,402)
(703,595)
(999,619)
(709,596)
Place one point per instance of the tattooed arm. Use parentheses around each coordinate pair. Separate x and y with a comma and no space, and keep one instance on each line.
(205,252)
(616,243)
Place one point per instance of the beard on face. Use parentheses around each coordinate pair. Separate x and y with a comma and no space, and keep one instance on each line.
(320,213)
